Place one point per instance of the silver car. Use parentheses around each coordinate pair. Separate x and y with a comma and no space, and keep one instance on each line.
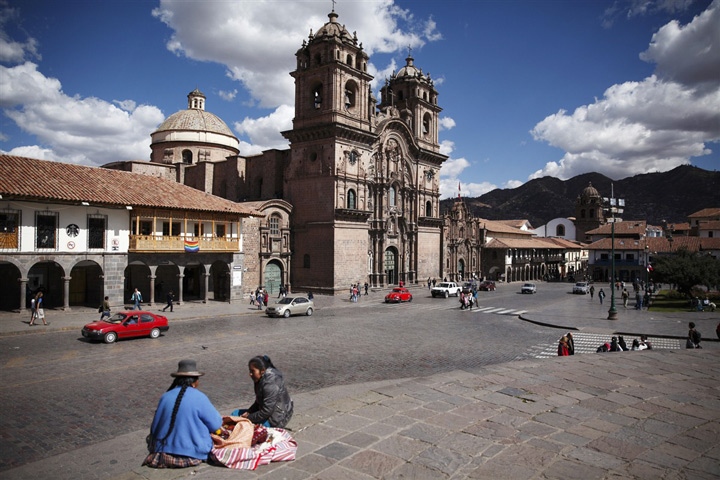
(291,306)
(528,288)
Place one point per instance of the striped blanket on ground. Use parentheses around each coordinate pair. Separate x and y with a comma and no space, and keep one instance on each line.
(280,447)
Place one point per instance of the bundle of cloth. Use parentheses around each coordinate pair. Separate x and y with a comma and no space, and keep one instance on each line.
(244,446)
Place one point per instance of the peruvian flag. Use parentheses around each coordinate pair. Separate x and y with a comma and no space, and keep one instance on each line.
(458,190)
(649,268)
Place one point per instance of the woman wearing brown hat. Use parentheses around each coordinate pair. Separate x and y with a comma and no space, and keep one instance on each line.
(180,432)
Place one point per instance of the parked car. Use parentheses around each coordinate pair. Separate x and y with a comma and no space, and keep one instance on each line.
(487,285)
(468,287)
(291,306)
(528,288)
(398,295)
(445,289)
(133,323)
(581,288)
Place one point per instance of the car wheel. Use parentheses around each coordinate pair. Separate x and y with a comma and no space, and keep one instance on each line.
(286,313)
(110,337)
(155,333)
(447,294)
(410,299)
(309,312)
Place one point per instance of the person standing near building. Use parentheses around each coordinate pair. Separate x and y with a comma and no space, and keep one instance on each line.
(601,296)
(592,291)
(625,297)
(136,298)
(105,308)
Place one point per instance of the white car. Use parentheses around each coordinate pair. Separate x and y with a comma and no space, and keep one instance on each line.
(445,289)
(581,288)
(528,288)
(291,306)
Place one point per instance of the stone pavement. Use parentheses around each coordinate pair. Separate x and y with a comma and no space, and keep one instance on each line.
(650,414)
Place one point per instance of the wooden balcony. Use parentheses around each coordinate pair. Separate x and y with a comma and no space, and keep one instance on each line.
(153,243)
(9,240)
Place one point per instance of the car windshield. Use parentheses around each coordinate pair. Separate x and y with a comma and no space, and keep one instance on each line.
(580,284)
(398,290)
(444,285)
(116,319)
(286,301)
(529,285)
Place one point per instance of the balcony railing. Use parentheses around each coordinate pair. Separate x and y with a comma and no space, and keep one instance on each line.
(152,243)
(624,263)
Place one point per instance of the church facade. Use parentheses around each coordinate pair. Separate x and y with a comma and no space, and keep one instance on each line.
(356,197)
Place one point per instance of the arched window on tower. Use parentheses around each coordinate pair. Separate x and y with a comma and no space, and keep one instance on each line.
(560,231)
(351,199)
(428,208)
(592,213)
(187,157)
(274,224)
(392,194)
(350,94)
(426,124)
(349,60)
(317,92)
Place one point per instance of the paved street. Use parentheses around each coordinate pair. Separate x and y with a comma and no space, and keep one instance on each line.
(61,393)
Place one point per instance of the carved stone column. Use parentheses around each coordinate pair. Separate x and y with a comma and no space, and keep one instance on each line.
(205,289)
(23,295)
(180,298)
(152,290)
(66,293)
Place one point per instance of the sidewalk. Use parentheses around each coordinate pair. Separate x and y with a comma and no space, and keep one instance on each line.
(642,414)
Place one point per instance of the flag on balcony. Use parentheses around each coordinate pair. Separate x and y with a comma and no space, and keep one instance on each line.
(649,268)
(192,245)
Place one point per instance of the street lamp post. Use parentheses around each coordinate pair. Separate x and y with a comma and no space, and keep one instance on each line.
(614,205)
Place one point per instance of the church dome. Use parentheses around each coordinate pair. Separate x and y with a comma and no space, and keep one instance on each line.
(334,29)
(195,119)
(409,70)
(590,191)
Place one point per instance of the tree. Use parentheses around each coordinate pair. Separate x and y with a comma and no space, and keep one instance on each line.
(687,269)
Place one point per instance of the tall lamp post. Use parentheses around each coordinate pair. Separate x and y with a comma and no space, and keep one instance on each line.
(614,205)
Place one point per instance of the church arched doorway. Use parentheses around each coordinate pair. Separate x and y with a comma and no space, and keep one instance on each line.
(461,270)
(390,266)
(273,277)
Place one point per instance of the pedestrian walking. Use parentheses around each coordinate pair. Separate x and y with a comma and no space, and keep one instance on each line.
(105,308)
(592,291)
(625,297)
(601,296)
(367,286)
(136,299)
(32,311)
(169,298)
(39,309)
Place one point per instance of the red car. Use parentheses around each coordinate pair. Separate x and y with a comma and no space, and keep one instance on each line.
(398,295)
(126,324)
(487,285)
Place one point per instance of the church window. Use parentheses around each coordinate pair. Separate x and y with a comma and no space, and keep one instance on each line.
(560,231)
(306,261)
(582,213)
(425,96)
(317,96)
(351,200)
(428,209)
(349,60)
(393,195)
(187,157)
(592,213)
(350,93)
(275,226)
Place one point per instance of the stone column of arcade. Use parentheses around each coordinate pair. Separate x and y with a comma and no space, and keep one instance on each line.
(23,295)
(180,298)
(152,289)
(66,293)
(205,289)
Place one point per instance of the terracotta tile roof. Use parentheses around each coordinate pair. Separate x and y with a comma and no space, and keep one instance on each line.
(659,244)
(33,179)
(709,243)
(706,212)
(522,243)
(621,228)
(620,244)
(569,244)
(679,227)
(499,227)
(516,223)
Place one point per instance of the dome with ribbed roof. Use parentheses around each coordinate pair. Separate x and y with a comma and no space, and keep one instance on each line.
(195,119)
(334,29)
(590,191)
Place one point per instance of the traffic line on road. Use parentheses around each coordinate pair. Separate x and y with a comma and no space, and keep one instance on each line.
(15,362)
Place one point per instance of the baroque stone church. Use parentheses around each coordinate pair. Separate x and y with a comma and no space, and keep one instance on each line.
(356,196)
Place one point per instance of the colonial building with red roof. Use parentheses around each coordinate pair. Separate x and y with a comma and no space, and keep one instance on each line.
(80,233)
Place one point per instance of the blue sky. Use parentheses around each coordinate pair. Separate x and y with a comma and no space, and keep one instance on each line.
(529,87)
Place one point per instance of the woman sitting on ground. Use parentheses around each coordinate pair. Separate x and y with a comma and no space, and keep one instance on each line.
(273,406)
(180,432)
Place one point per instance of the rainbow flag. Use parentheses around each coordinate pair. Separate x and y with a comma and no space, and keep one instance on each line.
(192,246)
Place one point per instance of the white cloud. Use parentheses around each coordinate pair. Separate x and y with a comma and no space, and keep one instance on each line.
(447,147)
(512,184)
(229,96)
(128,105)
(12,51)
(446,123)
(259,52)
(264,132)
(652,125)
(634,8)
(74,129)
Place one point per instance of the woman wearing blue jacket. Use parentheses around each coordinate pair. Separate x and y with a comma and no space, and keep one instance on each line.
(180,432)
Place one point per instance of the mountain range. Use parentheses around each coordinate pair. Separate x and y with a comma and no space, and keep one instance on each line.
(653,197)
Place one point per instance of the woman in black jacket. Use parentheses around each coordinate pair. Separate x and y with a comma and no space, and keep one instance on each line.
(273,406)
